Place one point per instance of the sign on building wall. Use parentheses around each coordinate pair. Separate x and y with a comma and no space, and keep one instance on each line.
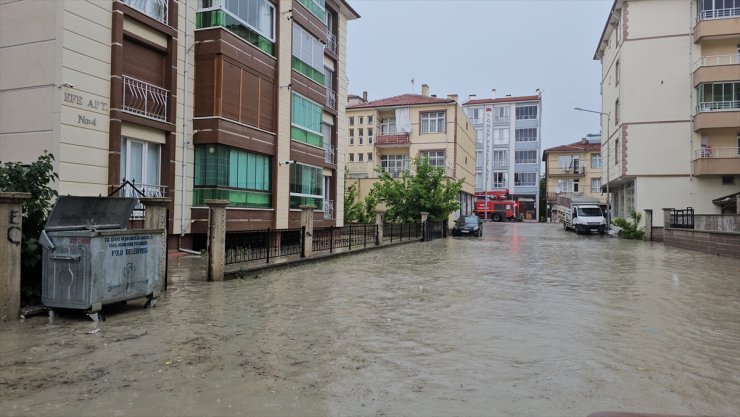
(487,135)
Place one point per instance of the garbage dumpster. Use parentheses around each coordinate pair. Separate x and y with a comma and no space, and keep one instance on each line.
(90,259)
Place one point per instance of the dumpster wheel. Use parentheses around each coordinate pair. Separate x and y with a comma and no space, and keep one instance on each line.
(151,302)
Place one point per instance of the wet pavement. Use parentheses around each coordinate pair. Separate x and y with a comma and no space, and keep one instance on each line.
(527,320)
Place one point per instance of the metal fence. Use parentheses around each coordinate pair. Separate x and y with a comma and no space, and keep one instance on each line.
(682,219)
(352,235)
(435,230)
(396,232)
(263,244)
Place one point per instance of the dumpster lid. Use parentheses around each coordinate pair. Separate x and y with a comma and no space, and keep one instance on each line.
(90,212)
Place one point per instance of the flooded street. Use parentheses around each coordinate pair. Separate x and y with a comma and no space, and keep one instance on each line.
(527,320)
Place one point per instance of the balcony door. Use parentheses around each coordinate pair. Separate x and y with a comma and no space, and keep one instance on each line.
(140,164)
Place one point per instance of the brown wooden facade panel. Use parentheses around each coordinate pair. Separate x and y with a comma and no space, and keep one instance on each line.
(306,154)
(216,41)
(236,219)
(224,132)
(205,81)
(307,87)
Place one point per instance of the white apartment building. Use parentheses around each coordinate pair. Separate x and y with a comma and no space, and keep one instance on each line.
(508,132)
(671,103)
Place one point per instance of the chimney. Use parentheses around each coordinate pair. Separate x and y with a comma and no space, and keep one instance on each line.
(471,96)
(425,90)
(493,93)
(434,96)
(364,96)
(452,96)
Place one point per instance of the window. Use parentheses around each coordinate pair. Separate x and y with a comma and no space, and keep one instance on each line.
(306,186)
(433,122)
(476,114)
(738,143)
(717,9)
(616,112)
(479,133)
(156,9)
(436,158)
(596,160)
(526,112)
(140,164)
(252,20)
(352,121)
(616,73)
(501,114)
(526,135)
(361,121)
(351,157)
(728,180)
(370,135)
(360,155)
(500,180)
(369,156)
(361,131)
(369,120)
(223,173)
(595,185)
(308,55)
(394,165)
(388,126)
(525,157)
(479,159)
(317,7)
(616,151)
(305,120)
(500,158)
(351,136)
(719,96)
(500,136)
(525,179)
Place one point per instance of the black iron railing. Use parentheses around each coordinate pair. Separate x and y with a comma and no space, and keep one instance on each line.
(402,231)
(435,230)
(263,244)
(682,219)
(350,236)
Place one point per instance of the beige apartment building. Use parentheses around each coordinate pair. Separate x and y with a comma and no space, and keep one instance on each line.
(240,100)
(671,100)
(388,133)
(574,169)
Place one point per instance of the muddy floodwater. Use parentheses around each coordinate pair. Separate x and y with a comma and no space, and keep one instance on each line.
(527,320)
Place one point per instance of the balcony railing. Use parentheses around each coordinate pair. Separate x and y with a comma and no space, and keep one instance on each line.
(328,209)
(392,139)
(331,42)
(156,9)
(718,105)
(132,190)
(719,13)
(712,61)
(331,98)
(724,152)
(144,99)
(329,153)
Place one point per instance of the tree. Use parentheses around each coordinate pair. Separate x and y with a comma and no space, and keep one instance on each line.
(36,179)
(428,190)
(354,211)
(543,198)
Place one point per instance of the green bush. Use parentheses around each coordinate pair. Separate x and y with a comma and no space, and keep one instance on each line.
(35,178)
(630,230)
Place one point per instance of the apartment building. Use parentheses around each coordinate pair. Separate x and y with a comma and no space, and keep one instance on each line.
(574,169)
(508,132)
(389,132)
(671,100)
(241,100)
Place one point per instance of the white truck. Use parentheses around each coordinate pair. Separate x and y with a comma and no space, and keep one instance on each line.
(583,215)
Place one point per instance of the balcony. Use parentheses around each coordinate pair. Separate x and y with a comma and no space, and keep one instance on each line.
(709,69)
(144,99)
(156,9)
(331,98)
(331,43)
(717,22)
(329,153)
(359,169)
(716,161)
(392,139)
(132,190)
(567,172)
(717,114)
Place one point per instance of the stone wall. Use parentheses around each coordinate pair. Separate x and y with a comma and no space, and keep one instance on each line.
(719,243)
(717,222)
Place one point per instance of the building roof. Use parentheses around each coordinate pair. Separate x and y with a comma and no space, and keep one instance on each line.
(402,100)
(506,99)
(573,147)
(609,26)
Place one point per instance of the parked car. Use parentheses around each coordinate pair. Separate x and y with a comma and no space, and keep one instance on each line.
(468,225)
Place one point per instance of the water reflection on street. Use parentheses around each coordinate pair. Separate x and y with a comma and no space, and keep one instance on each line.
(527,320)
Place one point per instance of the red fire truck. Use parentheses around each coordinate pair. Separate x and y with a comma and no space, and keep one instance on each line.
(497,207)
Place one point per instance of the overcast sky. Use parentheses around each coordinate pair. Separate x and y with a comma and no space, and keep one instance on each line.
(472,46)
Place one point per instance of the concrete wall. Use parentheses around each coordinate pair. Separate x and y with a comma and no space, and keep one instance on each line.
(719,223)
(719,243)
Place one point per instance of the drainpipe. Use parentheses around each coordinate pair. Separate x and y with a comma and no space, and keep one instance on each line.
(185,141)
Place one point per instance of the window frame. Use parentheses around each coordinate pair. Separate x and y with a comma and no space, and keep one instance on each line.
(436,157)
(431,122)
(527,112)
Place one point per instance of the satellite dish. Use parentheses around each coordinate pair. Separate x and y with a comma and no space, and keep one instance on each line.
(557,190)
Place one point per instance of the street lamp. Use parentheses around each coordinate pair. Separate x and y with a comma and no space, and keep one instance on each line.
(608,159)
